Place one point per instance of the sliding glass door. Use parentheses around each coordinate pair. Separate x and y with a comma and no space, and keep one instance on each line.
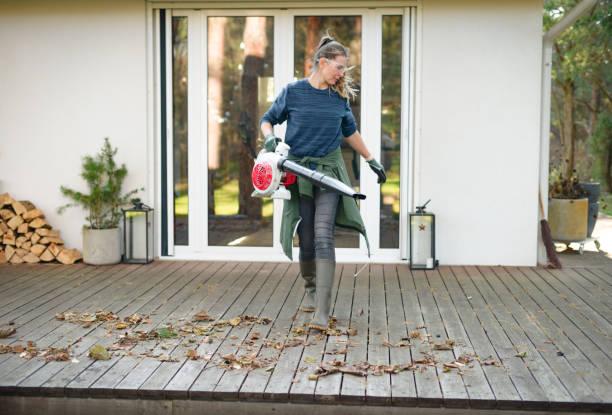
(226,68)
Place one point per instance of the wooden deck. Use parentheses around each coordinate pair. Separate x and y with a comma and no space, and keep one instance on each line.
(539,339)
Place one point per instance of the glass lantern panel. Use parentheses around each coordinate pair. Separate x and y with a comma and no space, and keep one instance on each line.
(136,235)
(421,242)
(150,237)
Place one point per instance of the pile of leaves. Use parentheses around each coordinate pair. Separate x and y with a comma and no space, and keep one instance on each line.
(87,319)
(248,361)
(362,369)
(30,350)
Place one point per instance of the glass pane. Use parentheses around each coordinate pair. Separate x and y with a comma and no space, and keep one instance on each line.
(391,130)
(179,129)
(347,30)
(240,90)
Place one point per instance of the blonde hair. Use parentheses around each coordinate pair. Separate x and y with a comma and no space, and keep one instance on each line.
(329,48)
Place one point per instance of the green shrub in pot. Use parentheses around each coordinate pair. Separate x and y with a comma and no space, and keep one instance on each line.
(102,202)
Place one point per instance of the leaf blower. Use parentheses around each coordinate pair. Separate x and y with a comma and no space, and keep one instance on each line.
(272,172)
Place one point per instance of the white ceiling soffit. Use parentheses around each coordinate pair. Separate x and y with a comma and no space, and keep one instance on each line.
(277,4)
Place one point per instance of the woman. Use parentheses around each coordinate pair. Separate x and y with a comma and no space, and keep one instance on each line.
(318,117)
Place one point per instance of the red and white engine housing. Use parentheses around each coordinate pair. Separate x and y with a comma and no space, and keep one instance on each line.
(268,179)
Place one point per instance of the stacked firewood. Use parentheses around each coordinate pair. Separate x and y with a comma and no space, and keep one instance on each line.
(25,235)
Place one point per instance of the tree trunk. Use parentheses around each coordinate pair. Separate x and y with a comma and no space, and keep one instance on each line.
(216,47)
(569,127)
(312,40)
(254,52)
(594,107)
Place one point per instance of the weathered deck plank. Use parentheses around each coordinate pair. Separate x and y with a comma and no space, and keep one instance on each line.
(567,367)
(501,384)
(297,384)
(561,319)
(231,381)
(428,388)
(251,303)
(128,387)
(232,304)
(572,323)
(256,381)
(48,285)
(559,384)
(327,388)
(353,388)
(403,386)
(57,334)
(477,386)
(454,392)
(216,286)
(525,384)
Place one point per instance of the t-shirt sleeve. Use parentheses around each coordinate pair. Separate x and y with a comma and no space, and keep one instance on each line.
(349,126)
(277,113)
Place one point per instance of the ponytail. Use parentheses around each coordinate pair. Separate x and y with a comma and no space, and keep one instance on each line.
(329,48)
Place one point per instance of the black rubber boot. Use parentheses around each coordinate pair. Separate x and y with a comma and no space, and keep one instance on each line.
(308,271)
(325,280)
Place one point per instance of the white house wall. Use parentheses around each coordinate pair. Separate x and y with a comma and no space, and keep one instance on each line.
(74,72)
(477,154)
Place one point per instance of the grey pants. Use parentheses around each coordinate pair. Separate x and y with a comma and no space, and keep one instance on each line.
(316,230)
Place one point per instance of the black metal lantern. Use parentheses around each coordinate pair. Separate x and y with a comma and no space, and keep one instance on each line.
(422,239)
(138,233)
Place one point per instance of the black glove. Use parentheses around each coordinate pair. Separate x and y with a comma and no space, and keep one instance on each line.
(271,142)
(378,169)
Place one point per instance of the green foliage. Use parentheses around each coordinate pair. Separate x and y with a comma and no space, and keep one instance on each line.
(104,180)
(581,74)
(561,187)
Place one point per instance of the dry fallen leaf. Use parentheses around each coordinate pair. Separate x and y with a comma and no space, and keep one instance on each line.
(6,332)
(447,345)
(99,352)
(202,316)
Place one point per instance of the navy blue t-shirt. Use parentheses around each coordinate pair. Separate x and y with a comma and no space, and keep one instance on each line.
(317,119)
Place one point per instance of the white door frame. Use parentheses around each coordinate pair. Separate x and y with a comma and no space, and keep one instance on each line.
(283,73)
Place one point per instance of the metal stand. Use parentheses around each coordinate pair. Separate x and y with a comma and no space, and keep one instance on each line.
(582,243)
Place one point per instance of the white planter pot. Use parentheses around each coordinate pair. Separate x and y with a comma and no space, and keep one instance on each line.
(101,246)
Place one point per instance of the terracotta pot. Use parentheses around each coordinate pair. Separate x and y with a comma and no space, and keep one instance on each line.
(568,219)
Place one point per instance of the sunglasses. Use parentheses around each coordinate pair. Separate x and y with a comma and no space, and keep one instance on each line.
(339,67)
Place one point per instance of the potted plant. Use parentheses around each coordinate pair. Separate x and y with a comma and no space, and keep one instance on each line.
(103,202)
(567,209)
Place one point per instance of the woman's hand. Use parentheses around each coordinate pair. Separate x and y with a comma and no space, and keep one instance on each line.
(356,142)
(271,142)
(378,169)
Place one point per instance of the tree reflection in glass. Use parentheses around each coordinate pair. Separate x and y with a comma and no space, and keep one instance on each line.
(391,130)
(179,129)
(240,90)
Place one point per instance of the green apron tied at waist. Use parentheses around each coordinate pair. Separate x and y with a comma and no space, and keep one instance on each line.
(347,214)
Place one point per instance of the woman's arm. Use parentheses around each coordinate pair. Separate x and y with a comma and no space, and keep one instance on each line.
(356,142)
(266,128)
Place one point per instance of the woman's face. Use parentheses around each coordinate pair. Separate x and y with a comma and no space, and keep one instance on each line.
(333,69)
